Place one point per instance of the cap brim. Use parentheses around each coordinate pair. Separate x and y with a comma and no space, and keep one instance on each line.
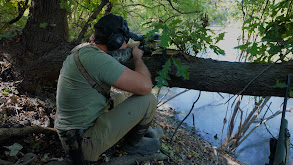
(133,36)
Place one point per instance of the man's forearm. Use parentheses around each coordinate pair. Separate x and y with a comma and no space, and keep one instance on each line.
(141,68)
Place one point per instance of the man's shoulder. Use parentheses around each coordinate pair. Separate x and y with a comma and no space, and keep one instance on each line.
(88,48)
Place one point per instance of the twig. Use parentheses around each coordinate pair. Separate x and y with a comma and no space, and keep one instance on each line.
(248,122)
(260,108)
(92,17)
(185,116)
(266,120)
(240,92)
(220,95)
(136,4)
(224,123)
(179,11)
(273,115)
(267,110)
(21,10)
(81,5)
(231,124)
(197,139)
(163,96)
(158,93)
(173,97)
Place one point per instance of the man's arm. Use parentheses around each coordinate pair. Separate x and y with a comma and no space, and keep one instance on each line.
(137,81)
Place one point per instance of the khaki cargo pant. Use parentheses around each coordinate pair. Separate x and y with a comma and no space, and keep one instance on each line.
(112,125)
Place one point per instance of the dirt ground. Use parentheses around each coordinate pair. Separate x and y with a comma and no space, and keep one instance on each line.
(27,135)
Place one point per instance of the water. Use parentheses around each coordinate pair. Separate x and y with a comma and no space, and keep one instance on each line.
(210,110)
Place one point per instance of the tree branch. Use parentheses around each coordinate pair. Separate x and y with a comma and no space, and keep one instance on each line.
(172,97)
(81,5)
(92,17)
(6,133)
(136,4)
(179,11)
(21,10)
(186,116)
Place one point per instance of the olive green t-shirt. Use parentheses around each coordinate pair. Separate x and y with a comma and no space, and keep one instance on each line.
(78,103)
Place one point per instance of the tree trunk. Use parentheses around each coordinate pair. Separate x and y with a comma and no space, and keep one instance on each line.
(38,58)
(46,27)
(205,74)
(227,77)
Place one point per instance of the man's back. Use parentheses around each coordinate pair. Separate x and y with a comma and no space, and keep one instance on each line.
(78,104)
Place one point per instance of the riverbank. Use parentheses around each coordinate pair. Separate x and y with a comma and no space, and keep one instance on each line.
(28,137)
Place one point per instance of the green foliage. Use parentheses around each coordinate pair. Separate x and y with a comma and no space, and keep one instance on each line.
(5,94)
(66,5)
(220,37)
(14,149)
(165,38)
(163,75)
(279,85)
(181,69)
(283,85)
(43,25)
(269,27)
(167,149)
(8,12)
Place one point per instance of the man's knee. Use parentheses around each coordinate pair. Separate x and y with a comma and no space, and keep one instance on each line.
(152,99)
(151,109)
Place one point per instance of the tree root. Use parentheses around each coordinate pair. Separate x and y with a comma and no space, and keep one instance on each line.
(6,133)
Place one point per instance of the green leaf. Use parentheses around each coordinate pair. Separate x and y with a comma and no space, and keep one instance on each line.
(217,50)
(165,37)
(64,5)
(279,85)
(220,37)
(253,50)
(175,22)
(275,49)
(167,65)
(5,94)
(291,93)
(181,69)
(161,81)
(43,25)
(14,149)
(163,75)
(244,46)
(166,148)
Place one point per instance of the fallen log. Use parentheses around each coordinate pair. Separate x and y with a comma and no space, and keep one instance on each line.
(6,133)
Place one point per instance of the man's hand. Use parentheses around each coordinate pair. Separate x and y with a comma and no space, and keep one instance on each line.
(138,81)
(136,53)
(134,44)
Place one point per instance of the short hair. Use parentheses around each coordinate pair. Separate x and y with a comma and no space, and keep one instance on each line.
(99,37)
